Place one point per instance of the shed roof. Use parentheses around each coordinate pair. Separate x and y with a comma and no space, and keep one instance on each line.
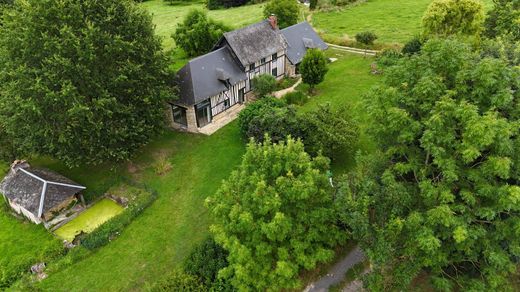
(201,77)
(254,42)
(301,37)
(23,186)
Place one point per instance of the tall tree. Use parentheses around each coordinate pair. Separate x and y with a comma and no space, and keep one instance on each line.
(83,81)
(313,68)
(454,17)
(444,194)
(286,11)
(504,20)
(197,34)
(274,215)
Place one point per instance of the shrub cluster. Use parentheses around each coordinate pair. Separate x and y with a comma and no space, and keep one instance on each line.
(217,4)
(179,281)
(324,130)
(263,85)
(113,227)
(295,97)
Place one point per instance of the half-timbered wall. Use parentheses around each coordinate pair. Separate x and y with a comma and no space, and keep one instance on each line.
(266,67)
(226,99)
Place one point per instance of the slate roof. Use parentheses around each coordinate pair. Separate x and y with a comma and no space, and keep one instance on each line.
(254,42)
(25,190)
(200,78)
(301,37)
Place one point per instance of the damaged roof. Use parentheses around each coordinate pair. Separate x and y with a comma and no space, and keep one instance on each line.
(22,187)
(202,76)
(254,42)
(301,37)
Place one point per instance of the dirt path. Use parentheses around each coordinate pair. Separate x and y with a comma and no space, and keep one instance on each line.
(337,273)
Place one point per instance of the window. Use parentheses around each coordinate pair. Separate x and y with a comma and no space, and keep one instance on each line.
(274,72)
(262,61)
(275,56)
(226,103)
(252,67)
(179,115)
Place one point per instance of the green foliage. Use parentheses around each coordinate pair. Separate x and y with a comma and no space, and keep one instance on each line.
(216,4)
(329,131)
(443,194)
(296,97)
(287,11)
(278,122)
(264,85)
(389,57)
(197,34)
(256,109)
(504,20)
(313,68)
(454,17)
(367,38)
(179,281)
(274,215)
(313,4)
(205,261)
(413,46)
(82,81)
(113,227)
(502,49)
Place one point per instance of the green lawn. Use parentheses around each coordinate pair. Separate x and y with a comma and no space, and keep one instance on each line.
(166,17)
(22,244)
(394,21)
(159,239)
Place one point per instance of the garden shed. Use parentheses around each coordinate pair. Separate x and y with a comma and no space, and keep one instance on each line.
(36,193)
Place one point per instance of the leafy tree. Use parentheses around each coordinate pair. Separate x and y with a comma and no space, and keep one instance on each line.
(413,46)
(264,85)
(454,17)
(313,68)
(443,194)
(83,81)
(274,215)
(256,109)
(504,20)
(197,34)
(205,261)
(179,281)
(278,122)
(287,11)
(329,131)
(216,4)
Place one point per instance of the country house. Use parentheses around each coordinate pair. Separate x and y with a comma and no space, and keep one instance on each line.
(220,81)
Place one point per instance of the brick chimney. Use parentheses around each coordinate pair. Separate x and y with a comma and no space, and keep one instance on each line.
(273,20)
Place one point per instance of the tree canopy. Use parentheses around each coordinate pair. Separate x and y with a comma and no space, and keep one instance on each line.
(504,20)
(287,11)
(313,67)
(275,216)
(197,34)
(83,81)
(454,17)
(444,193)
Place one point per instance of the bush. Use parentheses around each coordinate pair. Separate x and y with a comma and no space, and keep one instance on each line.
(295,97)
(205,261)
(389,57)
(278,122)
(367,38)
(217,4)
(197,34)
(113,227)
(413,46)
(263,85)
(179,281)
(254,109)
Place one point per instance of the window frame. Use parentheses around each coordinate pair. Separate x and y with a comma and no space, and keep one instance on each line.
(183,115)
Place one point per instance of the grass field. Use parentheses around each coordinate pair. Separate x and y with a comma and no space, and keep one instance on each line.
(22,244)
(166,17)
(394,21)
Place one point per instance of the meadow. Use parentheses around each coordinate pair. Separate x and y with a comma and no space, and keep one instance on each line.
(393,21)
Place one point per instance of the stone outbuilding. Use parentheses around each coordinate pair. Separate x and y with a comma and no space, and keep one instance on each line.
(36,193)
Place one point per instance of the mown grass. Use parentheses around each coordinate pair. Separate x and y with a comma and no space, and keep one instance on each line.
(394,21)
(166,17)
